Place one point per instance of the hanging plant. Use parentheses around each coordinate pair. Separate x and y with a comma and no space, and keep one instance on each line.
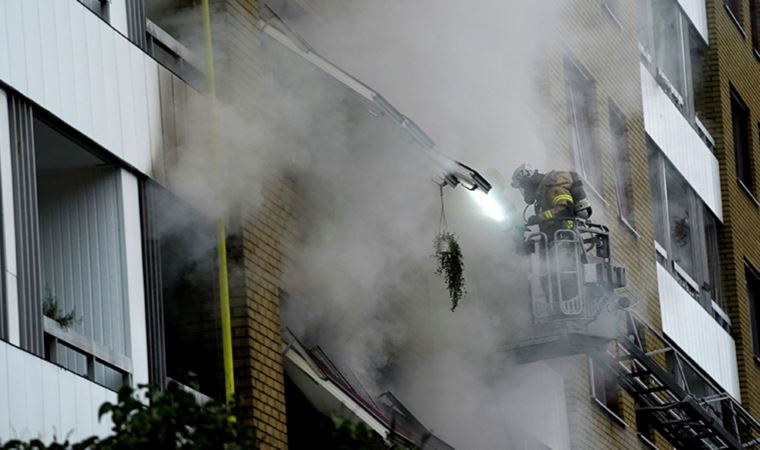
(451,265)
(51,309)
(448,254)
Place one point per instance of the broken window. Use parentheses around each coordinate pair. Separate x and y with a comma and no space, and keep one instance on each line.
(742,149)
(581,111)
(184,339)
(621,163)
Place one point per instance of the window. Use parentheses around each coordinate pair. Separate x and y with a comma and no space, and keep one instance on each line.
(669,44)
(621,163)
(657,188)
(712,247)
(81,257)
(182,293)
(99,7)
(735,8)
(754,23)
(604,387)
(674,52)
(681,221)
(753,297)
(581,111)
(742,149)
(612,7)
(686,233)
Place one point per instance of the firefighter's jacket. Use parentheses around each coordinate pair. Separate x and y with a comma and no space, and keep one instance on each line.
(554,202)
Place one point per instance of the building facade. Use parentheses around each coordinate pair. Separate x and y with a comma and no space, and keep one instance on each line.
(653,106)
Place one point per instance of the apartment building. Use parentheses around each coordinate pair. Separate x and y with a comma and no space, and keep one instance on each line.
(654,109)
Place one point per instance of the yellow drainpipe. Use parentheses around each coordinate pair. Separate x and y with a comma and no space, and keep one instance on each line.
(221,236)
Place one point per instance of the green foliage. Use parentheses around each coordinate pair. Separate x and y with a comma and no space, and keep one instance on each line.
(50,308)
(172,419)
(349,435)
(451,266)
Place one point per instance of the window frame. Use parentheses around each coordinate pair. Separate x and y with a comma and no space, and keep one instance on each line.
(614,410)
(582,127)
(53,335)
(698,281)
(753,296)
(743,158)
(621,154)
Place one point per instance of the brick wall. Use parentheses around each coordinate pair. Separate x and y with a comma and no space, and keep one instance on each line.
(731,62)
(258,260)
(606,48)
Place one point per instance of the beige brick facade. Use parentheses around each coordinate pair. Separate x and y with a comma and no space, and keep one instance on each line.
(732,62)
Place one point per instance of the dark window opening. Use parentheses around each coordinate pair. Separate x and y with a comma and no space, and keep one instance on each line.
(753,297)
(657,189)
(186,248)
(604,386)
(581,110)
(754,19)
(99,7)
(621,162)
(712,247)
(742,148)
(735,8)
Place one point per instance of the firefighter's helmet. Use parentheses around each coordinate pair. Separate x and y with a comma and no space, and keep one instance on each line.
(522,174)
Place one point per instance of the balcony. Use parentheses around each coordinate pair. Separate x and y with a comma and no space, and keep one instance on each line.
(696,333)
(680,142)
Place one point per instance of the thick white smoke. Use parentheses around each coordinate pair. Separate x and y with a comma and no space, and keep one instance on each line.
(362,285)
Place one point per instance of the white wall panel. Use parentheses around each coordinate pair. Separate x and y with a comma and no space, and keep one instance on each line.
(5,412)
(42,400)
(5,73)
(692,328)
(33,49)
(682,145)
(697,12)
(81,64)
(14,26)
(138,155)
(51,389)
(64,43)
(135,292)
(126,97)
(118,16)
(52,87)
(70,62)
(97,82)
(111,87)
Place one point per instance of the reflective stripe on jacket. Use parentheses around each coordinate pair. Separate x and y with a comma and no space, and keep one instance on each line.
(553,198)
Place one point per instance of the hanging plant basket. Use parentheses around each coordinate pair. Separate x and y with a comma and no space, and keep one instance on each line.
(448,254)
(451,266)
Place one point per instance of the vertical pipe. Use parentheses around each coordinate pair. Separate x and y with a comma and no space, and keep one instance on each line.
(221,236)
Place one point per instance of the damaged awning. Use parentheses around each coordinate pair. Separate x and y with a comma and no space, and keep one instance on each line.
(452,172)
(331,391)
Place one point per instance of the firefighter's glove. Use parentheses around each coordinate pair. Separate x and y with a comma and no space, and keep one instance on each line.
(532,220)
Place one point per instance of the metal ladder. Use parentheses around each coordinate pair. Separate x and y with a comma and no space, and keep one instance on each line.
(709,419)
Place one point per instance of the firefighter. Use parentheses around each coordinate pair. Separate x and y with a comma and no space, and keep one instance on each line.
(558,197)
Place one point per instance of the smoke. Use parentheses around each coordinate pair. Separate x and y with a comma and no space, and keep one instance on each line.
(362,283)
